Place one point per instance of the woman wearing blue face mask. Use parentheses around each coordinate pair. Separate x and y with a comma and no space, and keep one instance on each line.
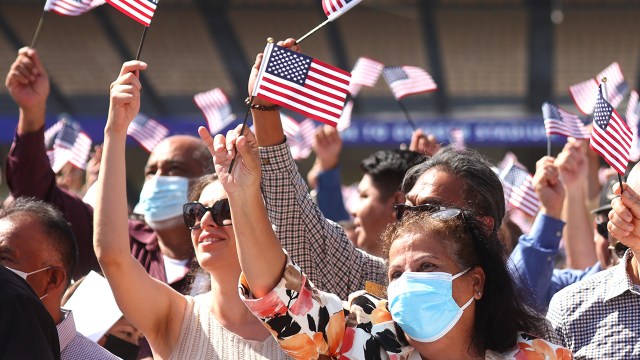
(450,293)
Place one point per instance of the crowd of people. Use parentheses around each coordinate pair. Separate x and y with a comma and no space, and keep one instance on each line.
(428,263)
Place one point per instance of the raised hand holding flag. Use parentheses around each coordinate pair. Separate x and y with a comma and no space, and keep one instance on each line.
(302,84)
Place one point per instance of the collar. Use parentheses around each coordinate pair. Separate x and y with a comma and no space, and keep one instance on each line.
(66,329)
(620,281)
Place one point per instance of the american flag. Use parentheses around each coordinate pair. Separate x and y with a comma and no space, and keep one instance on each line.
(302,84)
(518,189)
(58,158)
(408,80)
(364,73)
(508,159)
(335,8)
(216,109)
(302,141)
(610,136)
(139,10)
(71,7)
(51,133)
(633,116)
(560,122)
(456,138)
(584,93)
(345,118)
(73,139)
(147,132)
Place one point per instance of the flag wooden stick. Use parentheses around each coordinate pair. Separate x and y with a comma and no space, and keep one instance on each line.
(244,125)
(407,115)
(548,145)
(606,97)
(312,31)
(144,35)
(38,29)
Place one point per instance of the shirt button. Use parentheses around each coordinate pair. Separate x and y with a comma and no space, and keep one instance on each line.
(548,258)
(559,234)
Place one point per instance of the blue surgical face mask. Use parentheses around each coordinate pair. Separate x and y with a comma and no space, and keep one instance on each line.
(162,198)
(422,304)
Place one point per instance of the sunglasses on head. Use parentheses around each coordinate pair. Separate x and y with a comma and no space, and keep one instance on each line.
(194,211)
(430,208)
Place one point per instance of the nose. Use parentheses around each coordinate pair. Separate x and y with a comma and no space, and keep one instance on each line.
(207,220)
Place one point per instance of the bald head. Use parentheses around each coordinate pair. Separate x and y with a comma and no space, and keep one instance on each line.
(179,155)
(633,180)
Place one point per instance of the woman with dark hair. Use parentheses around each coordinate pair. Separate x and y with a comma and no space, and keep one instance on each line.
(450,293)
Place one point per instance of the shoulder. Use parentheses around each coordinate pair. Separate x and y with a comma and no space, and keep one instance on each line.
(531,347)
(592,288)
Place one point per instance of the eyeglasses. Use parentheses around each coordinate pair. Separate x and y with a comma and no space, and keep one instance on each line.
(430,208)
(194,211)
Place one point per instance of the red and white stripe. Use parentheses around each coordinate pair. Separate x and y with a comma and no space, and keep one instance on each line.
(147,132)
(364,73)
(139,10)
(71,7)
(335,8)
(345,118)
(321,98)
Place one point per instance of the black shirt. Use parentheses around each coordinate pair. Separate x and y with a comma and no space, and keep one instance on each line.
(26,328)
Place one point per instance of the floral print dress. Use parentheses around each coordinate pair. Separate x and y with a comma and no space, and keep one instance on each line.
(311,324)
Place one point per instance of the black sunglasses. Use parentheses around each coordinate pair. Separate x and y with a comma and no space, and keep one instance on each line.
(194,211)
(602,219)
(430,208)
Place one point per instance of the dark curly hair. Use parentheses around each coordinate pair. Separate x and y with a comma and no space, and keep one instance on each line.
(503,310)
(387,168)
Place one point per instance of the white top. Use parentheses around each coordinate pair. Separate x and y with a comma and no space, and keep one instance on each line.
(175,269)
(202,337)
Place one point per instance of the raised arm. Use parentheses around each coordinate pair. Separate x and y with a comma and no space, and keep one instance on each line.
(131,285)
(533,257)
(578,233)
(28,171)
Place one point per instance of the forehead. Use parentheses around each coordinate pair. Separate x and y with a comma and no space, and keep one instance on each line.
(22,235)
(173,149)
(438,186)
(416,244)
(212,192)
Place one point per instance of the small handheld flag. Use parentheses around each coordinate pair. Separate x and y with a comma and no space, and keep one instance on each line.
(408,80)
(333,9)
(216,109)
(364,73)
(302,84)
(560,122)
(456,138)
(72,139)
(610,136)
(139,10)
(584,93)
(71,7)
(518,189)
(147,131)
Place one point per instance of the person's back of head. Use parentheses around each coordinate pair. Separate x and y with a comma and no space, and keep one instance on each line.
(483,192)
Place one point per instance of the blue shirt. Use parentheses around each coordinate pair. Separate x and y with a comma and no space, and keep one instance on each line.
(532,261)
(329,195)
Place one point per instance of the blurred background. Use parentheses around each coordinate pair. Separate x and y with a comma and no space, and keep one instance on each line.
(495,62)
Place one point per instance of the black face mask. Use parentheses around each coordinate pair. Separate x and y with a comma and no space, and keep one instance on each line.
(121,348)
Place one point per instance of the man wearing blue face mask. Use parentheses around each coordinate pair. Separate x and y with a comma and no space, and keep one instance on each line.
(162,245)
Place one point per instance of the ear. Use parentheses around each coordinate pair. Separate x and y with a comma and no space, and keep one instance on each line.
(57,279)
(477,276)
